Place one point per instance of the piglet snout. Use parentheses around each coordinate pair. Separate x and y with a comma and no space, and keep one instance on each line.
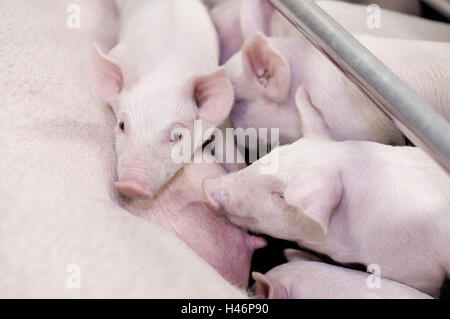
(210,185)
(134,189)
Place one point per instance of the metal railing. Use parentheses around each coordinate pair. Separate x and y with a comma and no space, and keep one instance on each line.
(418,120)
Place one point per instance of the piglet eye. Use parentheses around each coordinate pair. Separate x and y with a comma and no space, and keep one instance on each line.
(122,125)
(177,132)
(176,136)
(280,194)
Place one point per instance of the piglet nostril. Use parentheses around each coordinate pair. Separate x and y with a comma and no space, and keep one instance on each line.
(209,187)
(133,189)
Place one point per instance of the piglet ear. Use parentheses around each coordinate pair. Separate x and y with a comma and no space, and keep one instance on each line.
(263,286)
(313,122)
(107,76)
(266,68)
(256,17)
(214,96)
(316,194)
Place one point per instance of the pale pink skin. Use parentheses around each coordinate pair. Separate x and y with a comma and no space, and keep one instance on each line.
(308,278)
(268,101)
(236,20)
(353,17)
(182,208)
(358,202)
(267,72)
(58,205)
(226,16)
(161,77)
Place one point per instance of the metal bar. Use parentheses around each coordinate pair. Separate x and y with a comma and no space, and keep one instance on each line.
(420,122)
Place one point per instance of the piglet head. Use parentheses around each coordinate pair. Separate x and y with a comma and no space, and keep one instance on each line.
(253,201)
(155,120)
(294,202)
(261,78)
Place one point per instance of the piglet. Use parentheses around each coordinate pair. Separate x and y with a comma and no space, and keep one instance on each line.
(181,207)
(306,277)
(267,72)
(236,20)
(161,77)
(357,202)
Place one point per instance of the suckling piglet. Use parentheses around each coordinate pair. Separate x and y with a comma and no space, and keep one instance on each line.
(357,202)
(306,277)
(162,76)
